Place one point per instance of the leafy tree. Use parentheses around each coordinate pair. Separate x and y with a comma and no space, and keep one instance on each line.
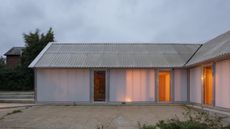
(22,78)
(34,43)
(2,62)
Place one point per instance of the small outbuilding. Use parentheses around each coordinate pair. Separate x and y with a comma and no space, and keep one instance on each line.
(13,56)
(147,73)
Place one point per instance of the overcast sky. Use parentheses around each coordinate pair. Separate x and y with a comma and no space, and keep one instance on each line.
(185,21)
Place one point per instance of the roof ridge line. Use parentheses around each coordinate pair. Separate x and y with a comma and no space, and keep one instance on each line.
(121,43)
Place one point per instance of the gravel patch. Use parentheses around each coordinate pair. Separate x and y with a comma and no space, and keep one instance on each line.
(87,117)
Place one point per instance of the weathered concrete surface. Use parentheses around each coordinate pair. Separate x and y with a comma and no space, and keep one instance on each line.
(14,105)
(5,111)
(87,117)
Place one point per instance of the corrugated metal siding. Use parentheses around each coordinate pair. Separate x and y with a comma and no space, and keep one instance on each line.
(112,55)
(217,47)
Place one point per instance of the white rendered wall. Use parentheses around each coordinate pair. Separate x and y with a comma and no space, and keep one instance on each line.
(222,83)
(69,85)
(180,85)
(195,84)
(132,85)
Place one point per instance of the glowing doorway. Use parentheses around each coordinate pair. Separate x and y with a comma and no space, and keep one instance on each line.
(207,85)
(164,86)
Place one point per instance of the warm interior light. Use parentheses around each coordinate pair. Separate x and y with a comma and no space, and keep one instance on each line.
(128,100)
(207,85)
(203,77)
(164,86)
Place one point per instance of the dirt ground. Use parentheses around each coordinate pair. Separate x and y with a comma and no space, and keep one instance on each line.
(85,117)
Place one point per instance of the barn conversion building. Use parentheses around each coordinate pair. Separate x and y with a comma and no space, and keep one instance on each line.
(135,73)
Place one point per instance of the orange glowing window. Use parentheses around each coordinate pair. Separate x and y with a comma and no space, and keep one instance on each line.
(207,85)
(164,86)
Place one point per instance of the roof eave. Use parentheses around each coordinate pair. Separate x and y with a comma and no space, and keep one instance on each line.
(34,62)
(214,59)
(100,67)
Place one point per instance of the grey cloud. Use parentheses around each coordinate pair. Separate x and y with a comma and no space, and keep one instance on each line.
(114,20)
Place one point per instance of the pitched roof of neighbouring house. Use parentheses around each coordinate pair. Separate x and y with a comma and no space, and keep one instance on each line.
(14,51)
(114,55)
(213,49)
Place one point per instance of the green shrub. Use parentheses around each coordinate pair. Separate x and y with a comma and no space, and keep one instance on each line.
(100,127)
(144,126)
(18,79)
(226,127)
(192,120)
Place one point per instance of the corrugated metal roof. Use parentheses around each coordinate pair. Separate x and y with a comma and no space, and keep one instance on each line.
(215,48)
(114,55)
(14,51)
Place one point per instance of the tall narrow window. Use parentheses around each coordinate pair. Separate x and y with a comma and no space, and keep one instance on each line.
(164,86)
(207,85)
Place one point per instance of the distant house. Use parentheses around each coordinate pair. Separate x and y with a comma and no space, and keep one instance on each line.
(13,56)
(135,73)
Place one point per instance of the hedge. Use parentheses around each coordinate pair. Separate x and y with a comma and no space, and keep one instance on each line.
(18,79)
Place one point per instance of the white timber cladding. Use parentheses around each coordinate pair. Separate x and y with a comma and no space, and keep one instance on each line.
(69,85)
(132,85)
(195,84)
(222,84)
(180,85)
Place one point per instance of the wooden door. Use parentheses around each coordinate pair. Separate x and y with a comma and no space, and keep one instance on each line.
(99,85)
